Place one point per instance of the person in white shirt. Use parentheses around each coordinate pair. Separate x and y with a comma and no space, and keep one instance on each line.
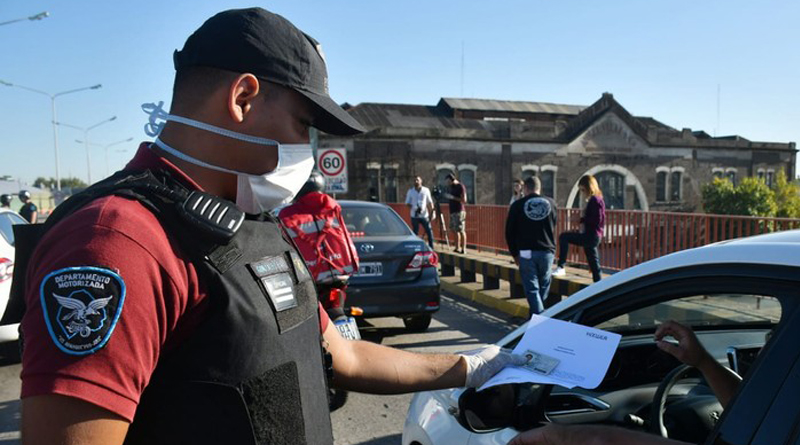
(419,201)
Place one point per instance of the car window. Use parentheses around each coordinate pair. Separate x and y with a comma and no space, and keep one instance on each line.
(374,221)
(7,221)
(701,310)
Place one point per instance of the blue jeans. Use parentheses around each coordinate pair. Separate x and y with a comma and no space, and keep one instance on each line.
(426,224)
(535,274)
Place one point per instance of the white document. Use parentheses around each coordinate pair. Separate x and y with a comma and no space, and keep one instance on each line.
(525,254)
(582,354)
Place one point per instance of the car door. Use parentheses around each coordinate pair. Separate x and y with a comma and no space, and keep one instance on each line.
(766,409)
(703,292)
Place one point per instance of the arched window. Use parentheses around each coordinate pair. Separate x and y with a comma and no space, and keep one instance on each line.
(675,181)
(661,186)
(770,177)
(731,175)
(441,176)
(613,186)
(466,175)
(548,178)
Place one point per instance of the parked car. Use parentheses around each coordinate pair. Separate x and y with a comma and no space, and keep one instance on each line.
(741,297)
(8,218)
(397,274)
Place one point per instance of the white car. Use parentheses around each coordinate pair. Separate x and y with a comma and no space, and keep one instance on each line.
(8,218)
(733,294)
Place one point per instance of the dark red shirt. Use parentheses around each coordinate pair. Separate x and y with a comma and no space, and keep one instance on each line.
(164,300)
(458,190)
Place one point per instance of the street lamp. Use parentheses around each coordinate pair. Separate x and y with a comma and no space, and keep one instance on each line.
(86,142)
(32,18)
(53,105)
(106,147)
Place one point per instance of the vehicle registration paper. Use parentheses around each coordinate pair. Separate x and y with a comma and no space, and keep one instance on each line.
(562,353)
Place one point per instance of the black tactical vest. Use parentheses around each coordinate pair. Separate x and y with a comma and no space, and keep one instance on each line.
(252,372)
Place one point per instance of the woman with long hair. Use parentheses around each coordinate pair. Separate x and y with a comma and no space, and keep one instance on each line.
(592,225)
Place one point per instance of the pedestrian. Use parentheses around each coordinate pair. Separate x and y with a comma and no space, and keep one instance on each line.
(517,191)
(165,305)
(28,209)
(420,204)
(5,201)
(591,232)
(457,197)
(530,235)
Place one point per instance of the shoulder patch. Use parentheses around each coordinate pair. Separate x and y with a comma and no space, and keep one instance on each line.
(81,307)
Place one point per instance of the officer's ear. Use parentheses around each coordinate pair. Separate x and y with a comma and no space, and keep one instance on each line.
(241,94)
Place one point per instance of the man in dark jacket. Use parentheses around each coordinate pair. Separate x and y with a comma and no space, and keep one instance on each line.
(530,229)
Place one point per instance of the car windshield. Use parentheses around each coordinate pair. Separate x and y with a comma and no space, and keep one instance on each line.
(374,221)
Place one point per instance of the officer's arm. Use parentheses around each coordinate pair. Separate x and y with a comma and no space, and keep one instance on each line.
(368,367)
(60,420)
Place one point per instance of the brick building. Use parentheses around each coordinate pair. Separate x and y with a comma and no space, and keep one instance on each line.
(640,162)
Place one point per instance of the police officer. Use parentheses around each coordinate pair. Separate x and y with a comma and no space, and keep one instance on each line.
(28,209)
(157,312)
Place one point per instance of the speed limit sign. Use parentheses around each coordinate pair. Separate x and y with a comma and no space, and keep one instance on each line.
(332,162)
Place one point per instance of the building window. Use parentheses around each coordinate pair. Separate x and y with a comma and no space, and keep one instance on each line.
(731,175)
(441,177)
(770,177)
(760,174)
(529,170)
(373,179)
(718,173)
(675,182)
(548,183)
(548,178)
(466,174)
(612,184)
(389,184)
(661,186)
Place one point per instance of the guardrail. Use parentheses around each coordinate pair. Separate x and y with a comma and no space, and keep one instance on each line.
(631,237)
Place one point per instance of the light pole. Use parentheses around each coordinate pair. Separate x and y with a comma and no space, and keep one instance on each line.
(86,142)
(53,104)
(106,147)
(32,18)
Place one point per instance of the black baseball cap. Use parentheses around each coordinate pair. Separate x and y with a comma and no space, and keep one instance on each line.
(270,47)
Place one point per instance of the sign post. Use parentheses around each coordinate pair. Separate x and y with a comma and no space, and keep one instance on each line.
(332,162)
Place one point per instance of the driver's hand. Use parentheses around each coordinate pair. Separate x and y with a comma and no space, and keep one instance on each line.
(688,350)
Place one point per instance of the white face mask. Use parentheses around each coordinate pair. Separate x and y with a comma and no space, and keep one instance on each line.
(255,193)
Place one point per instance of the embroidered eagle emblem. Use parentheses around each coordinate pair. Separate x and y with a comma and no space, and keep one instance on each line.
(79,312)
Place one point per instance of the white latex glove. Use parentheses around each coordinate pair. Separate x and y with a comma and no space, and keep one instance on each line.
(485,363)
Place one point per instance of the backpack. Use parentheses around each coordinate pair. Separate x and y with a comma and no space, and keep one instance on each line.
(315,224)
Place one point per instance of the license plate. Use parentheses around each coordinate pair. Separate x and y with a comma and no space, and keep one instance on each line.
(370,269)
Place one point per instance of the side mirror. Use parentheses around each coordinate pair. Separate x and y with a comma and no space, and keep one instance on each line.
(519,406)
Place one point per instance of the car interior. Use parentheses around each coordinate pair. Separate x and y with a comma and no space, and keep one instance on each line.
(644,388)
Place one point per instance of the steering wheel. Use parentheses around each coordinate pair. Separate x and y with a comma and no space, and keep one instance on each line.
(699,413)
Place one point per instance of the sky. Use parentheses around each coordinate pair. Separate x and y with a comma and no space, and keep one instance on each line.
(723,66)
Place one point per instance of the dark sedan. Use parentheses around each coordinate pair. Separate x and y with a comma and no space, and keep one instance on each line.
(397,274)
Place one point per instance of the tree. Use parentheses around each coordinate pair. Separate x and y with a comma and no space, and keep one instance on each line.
(787,196)
(50,183)
(751,197)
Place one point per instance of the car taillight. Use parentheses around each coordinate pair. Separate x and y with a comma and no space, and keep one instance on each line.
(421,260)
(6,269)
(356,234)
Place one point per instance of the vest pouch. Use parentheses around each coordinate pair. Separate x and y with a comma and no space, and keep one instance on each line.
(178,412)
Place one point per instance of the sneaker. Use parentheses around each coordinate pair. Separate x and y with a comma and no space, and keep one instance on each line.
(559,272)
